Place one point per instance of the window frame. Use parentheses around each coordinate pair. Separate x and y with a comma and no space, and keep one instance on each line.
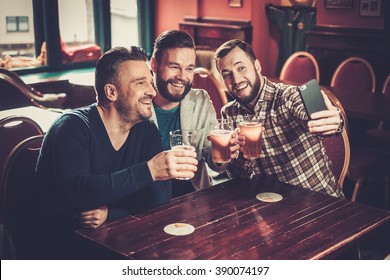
(46,28)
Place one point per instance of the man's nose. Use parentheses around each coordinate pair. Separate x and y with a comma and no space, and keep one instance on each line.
(236,78)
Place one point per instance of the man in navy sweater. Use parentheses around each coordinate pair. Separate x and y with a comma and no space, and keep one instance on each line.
(106,160)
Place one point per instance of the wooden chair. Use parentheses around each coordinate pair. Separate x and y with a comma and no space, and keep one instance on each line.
(17,182)
(354,73)
(299,68)
(17,93)
(13,130)
(203,79)
(338,148)
(379,138)
(386,85)
(363,163)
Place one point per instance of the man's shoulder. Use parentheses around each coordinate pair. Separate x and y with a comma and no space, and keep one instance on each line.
(197,94)
(279,90)
(81,114)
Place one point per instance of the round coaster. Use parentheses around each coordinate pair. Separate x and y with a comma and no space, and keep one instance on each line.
(179,229)
(269,197)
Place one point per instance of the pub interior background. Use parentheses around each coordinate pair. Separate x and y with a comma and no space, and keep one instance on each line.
(73,34)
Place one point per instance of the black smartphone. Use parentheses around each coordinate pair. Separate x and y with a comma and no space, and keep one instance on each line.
(312,97)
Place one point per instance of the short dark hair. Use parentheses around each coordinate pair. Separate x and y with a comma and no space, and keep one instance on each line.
(171,39)
(108,64)
(226,48)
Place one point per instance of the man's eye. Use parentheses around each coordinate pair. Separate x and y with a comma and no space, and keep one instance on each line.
(225,75)
(241,68)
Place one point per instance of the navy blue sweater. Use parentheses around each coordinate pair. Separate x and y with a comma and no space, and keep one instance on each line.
(79,170)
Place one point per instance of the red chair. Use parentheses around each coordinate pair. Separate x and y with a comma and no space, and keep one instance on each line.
(364,163)
(13,130)
(338,148)
(379,138)
(86,52)
(354,73)
(16,180)
(203,79)
(386,86)
(299,68)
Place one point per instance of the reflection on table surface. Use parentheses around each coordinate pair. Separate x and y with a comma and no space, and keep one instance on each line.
(230,223)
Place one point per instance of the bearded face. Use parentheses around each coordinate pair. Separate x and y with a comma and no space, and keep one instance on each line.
(172,89)
(246,85)
(174,73)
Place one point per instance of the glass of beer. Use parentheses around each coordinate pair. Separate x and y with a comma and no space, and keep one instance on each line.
(182,140)
(220,135)
(251,129)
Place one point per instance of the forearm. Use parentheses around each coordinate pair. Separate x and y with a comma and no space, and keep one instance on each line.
(87,191)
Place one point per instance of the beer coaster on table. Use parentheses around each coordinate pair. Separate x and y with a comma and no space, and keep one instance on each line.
(269,197)
(179,229)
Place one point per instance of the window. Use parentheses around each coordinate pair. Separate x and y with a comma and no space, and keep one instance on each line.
(77,31)
(17,48)
(44,36)
(124,14)
(17,24)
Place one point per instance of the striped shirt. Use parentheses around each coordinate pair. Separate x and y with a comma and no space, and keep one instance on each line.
(290,154)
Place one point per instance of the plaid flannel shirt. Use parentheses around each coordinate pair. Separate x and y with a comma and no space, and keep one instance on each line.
(290,154)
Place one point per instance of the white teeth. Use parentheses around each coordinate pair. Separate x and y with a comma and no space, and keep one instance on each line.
(241,86)
(147,102)
(177,85)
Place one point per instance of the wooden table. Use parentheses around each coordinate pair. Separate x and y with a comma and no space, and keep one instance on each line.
(364,105)
(43,117)
(230,223)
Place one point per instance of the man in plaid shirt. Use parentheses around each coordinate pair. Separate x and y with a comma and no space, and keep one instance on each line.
(292,150)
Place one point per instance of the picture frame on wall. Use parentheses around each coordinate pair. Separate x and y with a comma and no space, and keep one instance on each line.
(370,8)
(338,4)
(235,3)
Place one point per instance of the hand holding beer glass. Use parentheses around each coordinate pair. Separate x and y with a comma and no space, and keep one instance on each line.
(251,128)
(182,140)
(220,136)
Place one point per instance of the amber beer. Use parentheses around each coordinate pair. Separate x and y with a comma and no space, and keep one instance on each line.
(252,132)
(220,145)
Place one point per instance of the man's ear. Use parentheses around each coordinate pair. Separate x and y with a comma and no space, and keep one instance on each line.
(153,64)
(258,66)
(111,92)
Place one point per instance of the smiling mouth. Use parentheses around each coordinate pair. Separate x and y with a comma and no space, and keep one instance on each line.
(177,85)
(147,102)
(241,86)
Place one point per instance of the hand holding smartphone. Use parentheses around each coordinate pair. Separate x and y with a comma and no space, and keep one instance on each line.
(312,97)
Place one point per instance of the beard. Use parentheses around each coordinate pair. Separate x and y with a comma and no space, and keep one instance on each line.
(128,114)
(245,100)
(162,87)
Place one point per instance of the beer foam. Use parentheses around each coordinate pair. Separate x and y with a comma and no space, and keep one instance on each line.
(183,147)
